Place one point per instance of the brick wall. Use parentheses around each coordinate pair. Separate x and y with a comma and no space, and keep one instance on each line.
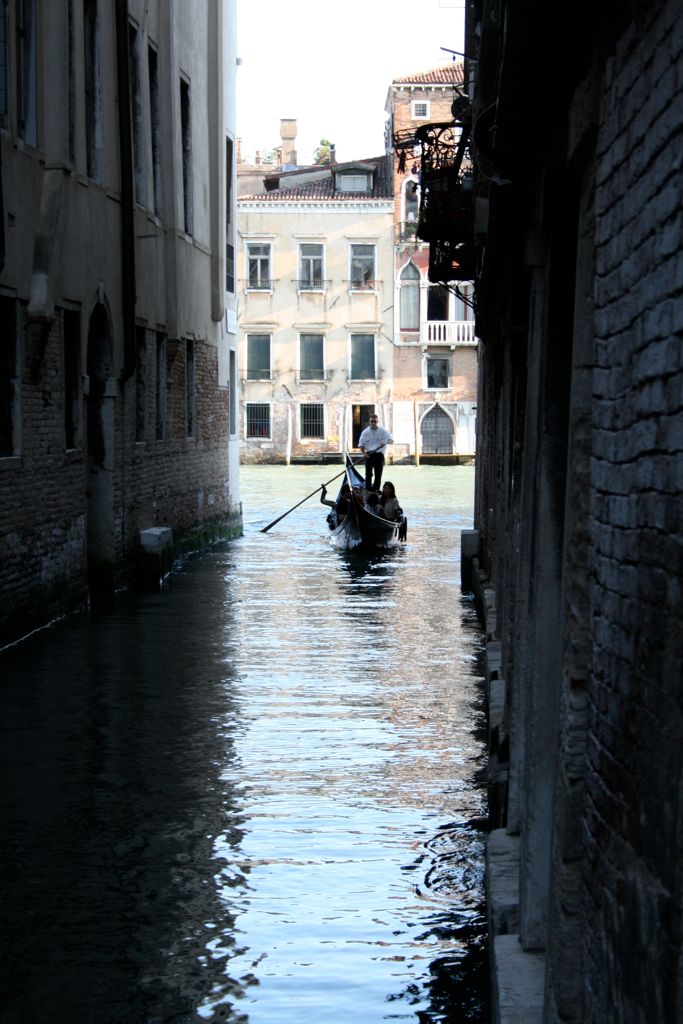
(42,488)
(178,481)
(635,764)
(181,481)
(580,508)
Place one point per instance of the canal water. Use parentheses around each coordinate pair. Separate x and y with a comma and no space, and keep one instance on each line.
(258,796)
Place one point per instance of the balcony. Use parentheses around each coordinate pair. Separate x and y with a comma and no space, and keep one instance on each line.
(447,332)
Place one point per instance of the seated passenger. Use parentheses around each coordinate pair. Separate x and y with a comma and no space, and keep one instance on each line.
(342,504)
(388,503)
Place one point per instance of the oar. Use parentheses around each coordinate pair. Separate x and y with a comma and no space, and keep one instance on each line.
(266,528)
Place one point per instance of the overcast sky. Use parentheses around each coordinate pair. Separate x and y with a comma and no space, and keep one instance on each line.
(329,65)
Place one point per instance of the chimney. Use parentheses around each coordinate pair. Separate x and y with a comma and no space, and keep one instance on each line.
(288,137)
(333,153)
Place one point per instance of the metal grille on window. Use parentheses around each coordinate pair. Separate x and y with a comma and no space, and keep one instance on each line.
(437,433)
(312,421)
(258,419)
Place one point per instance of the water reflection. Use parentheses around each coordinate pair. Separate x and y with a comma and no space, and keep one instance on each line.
(257,796)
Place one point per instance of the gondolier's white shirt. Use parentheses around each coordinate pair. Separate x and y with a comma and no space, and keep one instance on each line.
(375,440)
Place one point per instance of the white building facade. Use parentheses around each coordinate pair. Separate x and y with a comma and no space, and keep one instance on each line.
(315,281)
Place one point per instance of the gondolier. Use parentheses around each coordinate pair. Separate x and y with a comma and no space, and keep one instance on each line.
(373,443)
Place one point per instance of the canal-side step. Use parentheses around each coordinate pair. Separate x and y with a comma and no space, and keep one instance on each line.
(518,982)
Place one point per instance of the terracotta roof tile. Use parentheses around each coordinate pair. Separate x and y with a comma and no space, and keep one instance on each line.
(323,190)
(444,74)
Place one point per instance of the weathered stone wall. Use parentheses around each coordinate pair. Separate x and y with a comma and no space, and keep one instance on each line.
(180,481)
(42,556)
(632,871)
(580,520)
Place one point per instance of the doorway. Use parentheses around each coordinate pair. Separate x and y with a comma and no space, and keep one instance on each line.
(360,419)
(437,433)
(438,298)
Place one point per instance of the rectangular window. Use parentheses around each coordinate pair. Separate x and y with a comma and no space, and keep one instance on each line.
(9,383)
(72,379)
(362,266)
(3,61)
(190,393)
(140,384)
(419,110)
(258,357)
(232,411)
(155,125)
(437,372)
(161,387)
(258,419)
(27,81)
(186,142)
(311,273)
(362,357)
(136,116)
(311,357)
(312,421)
(230,268)
(353,183)
(229,233)
(71,83)
(93,92)
(258,261)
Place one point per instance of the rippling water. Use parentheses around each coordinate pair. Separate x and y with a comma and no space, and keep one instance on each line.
(258,796)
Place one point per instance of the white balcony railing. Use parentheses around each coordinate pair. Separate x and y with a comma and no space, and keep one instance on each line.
(447,332)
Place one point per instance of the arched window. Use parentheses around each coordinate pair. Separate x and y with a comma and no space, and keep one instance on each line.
(410,201)
(437,433)
(410,298)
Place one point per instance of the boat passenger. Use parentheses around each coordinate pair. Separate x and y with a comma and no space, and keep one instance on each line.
(388,503)
(342,504)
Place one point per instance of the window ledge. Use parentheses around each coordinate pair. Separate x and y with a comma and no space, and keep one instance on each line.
(313,380)
(10,462)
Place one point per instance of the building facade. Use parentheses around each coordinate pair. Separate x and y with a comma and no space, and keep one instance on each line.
(117,292)
(435,347)
(577,234)
(315,280)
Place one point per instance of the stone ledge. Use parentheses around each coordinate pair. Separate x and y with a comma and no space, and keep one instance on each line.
(497,735)
(502,882)
(518,982)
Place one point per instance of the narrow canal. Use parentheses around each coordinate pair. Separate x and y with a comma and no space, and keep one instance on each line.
(258,796)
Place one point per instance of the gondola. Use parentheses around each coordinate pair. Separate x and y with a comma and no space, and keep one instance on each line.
(361,529)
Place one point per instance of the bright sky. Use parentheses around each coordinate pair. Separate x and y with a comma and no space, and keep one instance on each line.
(329,66)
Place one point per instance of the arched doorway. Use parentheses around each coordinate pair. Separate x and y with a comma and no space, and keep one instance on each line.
(100,445)
(437,432)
